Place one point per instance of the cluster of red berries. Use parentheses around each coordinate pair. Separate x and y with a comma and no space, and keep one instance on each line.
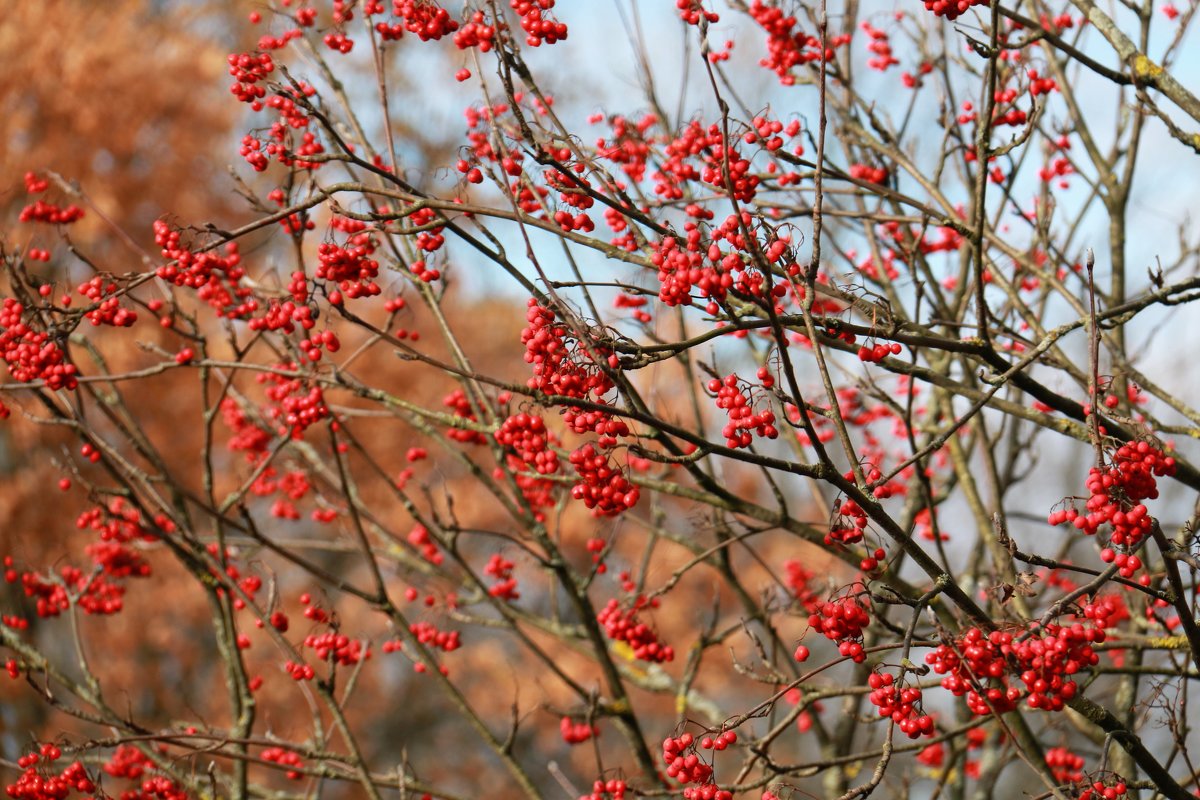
(501,569)
(865,172)
(41,211)
(430,635)
(797,578)
(576,732)
(692,11)
(32,785)
(29,354)
(475,32)
(682,269)
(901,703)
(460,406)
(336,40)
(1117,492)
(281,316)
(602,487)
(1065,766)
(1040,657)
(883,57)
(526,435)
(296,406)
(950,9)
(118,560)
(94,594)
(623,625)
(1106,611)
(1104,790)
(299,672)
(248,71)
(726,169)
(842,621)
(313,345)
(788,48)
(849,525)
(351,268)
(721,741)
(428,21)
(878,352)
(337,647)
(419,538)
(158,787)
(108,310)
(557,367)
(683,764)
(284,758)
(538,29)
(120,522)
(743,422)
(603,423)
(214,277)
(612,789)
(128,762)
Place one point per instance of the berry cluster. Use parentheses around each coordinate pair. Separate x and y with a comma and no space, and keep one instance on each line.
(682,269)
(1040,658)
(788,48)
(94,594)
(428,21)
(538,29)
(527,437)
(41,211)
(128,762)
(901,703)
(558,367)
(950,9)
(1104,790)
(878,352)
(691,12)
(1117,492)
(108,310)
(350,267)
(248,72)
(865,172)
(295,405)
(683,764)
(475,33)
(337,647)
(602,487)
(460,406)
(842,621)
(419,538)
(849,525)
(32,785)
(743,422)
(622,624)
(284,758)
(797,579)
(299,672)
(722,740)
(29,354)
(1065,766)
(577,732)
(429,635)
(612,789)
(501,569)
(215,278)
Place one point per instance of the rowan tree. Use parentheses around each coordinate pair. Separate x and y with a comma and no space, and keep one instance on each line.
(802,424)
